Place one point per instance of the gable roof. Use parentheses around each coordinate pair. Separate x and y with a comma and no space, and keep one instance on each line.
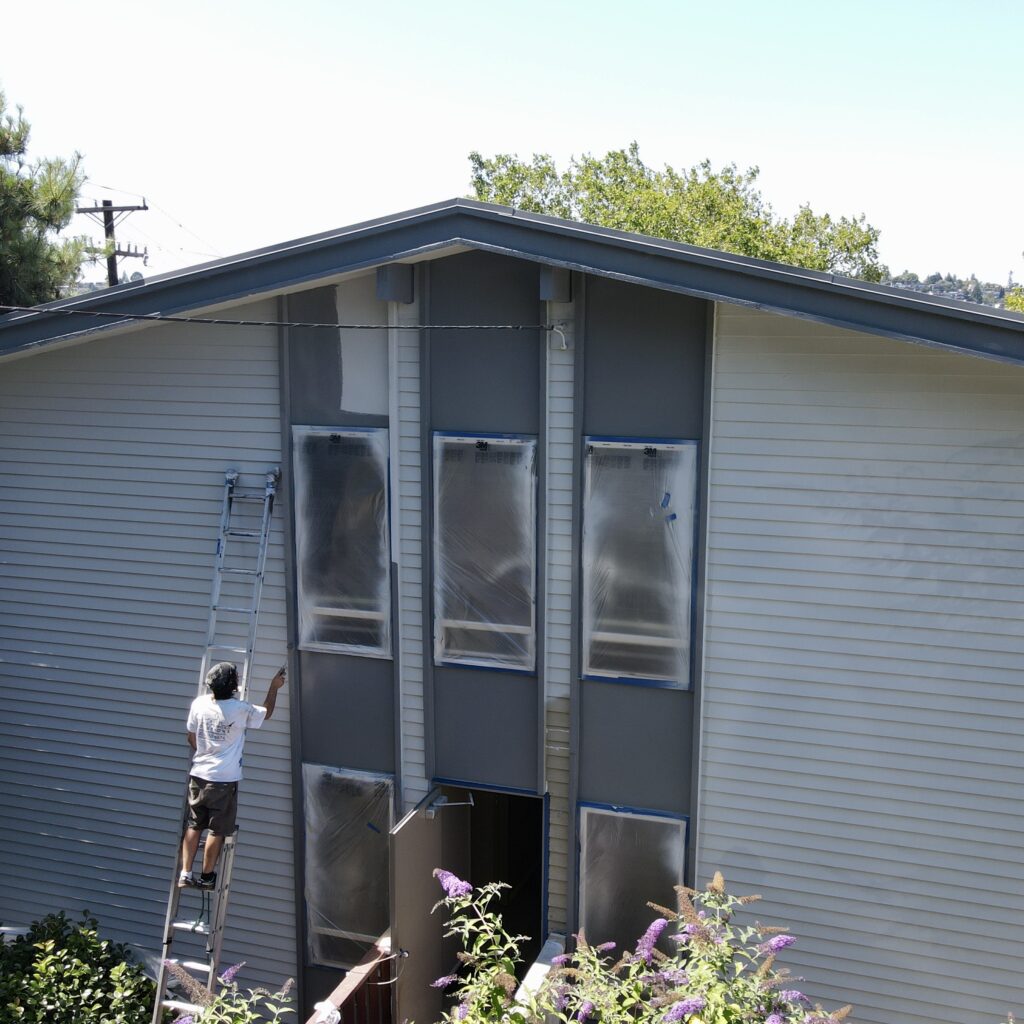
(654,262)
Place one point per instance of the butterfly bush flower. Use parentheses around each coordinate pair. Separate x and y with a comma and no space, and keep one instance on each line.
(229,975)
(561,960)
(672,976)
(605,947)
(448,979)
(453,886)
(645,947)
(776,943)
(585,1010)
(774,1018)
(677,1011)
(462,1011)
(791,995)
(187,1019)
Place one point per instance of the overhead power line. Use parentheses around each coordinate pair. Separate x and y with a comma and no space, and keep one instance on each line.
(224,322)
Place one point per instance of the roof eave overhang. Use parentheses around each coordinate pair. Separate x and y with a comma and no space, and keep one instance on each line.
(665,265)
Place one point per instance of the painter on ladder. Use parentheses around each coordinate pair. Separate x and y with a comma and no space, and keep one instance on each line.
(217,724)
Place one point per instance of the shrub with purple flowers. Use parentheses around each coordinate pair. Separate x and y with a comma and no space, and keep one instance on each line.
(489,954)
(231,1005)
(715,973)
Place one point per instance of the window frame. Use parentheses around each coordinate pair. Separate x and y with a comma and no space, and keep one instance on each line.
(529,444)
(590,442)
(382,615)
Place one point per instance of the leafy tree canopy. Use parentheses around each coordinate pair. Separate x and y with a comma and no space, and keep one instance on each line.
(37,199)
(701,205)
(1015,300)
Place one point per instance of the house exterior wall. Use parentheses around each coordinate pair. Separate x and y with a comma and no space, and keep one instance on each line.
(864,662)
(112,459)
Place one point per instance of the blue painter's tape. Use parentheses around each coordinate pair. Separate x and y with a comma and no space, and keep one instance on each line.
(373,828)
(646,812)
(440,780)
(666,500)
(671,517)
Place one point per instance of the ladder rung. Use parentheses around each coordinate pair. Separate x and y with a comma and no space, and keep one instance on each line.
(181,1007)
(232,532)
(197,966)
(248,496)
(240,572)
(231,608)
(195,927)
(230,650)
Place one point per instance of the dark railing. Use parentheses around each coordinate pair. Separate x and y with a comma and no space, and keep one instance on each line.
(365,993)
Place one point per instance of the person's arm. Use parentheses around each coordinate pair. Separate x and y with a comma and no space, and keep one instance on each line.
(275,684)
(192,740)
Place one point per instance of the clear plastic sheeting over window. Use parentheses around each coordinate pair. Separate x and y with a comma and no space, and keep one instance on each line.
(348,818)
(639,507)
(341,540)
(485,551)
(626,861)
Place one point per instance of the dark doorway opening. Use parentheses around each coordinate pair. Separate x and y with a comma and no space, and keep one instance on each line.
(507,845)
(480,835)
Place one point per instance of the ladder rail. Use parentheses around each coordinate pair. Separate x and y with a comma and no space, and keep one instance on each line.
(220,896)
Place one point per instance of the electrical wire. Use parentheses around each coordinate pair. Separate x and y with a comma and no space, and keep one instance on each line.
(223,322)
(167,213)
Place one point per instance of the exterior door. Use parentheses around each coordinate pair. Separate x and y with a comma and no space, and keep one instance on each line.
(434,834)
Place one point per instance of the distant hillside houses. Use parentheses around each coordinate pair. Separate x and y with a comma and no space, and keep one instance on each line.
(949,287)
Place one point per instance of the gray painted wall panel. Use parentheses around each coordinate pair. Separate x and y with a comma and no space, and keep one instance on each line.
(485,726)
(644,366)
(348,711)
(634,746)
(485,722)
(317,368)
(112,458)
(484,380)
(643,376)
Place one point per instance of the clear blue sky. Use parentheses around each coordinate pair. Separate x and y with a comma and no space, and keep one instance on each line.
(248,122)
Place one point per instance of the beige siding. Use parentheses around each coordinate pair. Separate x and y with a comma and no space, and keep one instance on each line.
(407,546)
(112,457)
(558,573)
(864,662)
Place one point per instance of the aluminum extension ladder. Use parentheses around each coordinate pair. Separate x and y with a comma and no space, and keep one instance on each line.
(209,923)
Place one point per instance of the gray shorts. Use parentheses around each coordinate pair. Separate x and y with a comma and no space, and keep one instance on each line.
(212,805)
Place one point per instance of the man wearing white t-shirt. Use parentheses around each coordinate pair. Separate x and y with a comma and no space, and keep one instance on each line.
(217,723)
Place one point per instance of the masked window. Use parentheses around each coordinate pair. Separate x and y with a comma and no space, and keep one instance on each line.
(639,508)
(627,860)
(485,552)
(341,540)
(348,818)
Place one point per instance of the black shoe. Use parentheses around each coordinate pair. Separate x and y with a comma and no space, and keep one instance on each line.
(207,880)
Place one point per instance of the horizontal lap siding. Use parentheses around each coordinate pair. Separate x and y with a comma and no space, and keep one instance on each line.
(112,459)
(558,572)
(409,547)
(864,662)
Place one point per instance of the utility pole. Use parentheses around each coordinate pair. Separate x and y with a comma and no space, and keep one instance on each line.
(107,209)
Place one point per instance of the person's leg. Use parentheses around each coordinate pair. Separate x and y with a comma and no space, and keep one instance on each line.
(195,822)
(211,852)
(189,845)
(222,802)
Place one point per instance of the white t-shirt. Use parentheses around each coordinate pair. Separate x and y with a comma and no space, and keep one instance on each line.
(220,727)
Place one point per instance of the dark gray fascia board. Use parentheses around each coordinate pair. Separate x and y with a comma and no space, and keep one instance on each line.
(653,262)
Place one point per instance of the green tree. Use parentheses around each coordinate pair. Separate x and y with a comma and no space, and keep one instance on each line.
(1015,300)
(37,200)
(716,208)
